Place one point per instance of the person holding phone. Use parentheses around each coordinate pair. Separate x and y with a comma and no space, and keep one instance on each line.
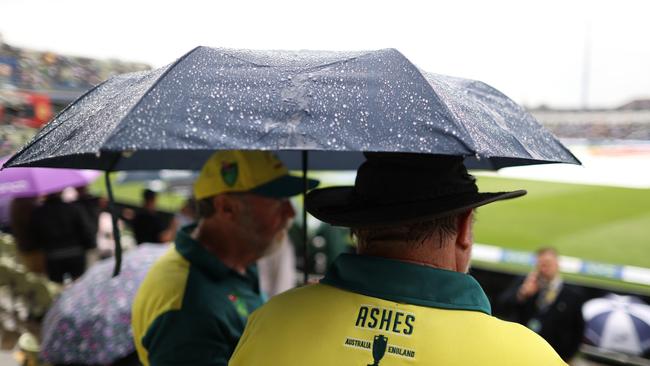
(546,304)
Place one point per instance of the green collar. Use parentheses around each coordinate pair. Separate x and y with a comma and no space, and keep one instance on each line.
(205,261)
(409,283)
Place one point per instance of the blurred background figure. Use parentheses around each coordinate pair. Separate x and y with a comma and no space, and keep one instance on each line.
(277,270)
(618,323)
(64,234)
(20,214)
(187,215)
(90,205)
(105,239)
(545,304)
(148,225)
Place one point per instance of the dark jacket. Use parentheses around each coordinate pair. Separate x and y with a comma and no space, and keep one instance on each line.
(560,324)
(148,226)
(58,225)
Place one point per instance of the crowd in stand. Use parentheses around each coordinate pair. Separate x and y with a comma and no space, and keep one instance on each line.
(623,123)
(38,70)
(631,131)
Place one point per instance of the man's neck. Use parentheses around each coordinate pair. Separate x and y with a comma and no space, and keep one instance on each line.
(439,257)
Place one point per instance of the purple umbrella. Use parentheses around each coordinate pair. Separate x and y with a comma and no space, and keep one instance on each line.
(31,182)
(90,323)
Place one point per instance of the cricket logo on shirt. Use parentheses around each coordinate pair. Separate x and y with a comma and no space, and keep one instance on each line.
(239,304)
(389,322)
(229,172)
(378,349)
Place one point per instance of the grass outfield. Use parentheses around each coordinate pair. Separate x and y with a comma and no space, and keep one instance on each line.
(131,193)
(604,224)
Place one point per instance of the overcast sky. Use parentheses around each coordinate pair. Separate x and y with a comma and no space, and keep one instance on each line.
(534,51)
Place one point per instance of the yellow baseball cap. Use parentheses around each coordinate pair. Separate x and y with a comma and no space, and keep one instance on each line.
(259,172)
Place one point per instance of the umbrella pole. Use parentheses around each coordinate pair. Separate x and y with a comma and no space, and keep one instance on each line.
(116,229)
(305,187)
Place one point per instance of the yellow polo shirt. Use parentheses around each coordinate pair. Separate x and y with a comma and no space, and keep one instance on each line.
(191,308)
(376,311)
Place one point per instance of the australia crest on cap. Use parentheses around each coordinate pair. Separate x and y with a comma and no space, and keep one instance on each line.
(229,172)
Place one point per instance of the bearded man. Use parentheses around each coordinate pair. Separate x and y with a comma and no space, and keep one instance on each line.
(192,306)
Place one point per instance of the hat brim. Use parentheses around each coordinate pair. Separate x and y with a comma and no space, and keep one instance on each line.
(284,187)
(335,206)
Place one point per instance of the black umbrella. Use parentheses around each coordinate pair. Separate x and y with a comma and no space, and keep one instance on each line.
(346,102)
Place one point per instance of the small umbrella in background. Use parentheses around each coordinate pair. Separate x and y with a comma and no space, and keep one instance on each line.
(90,323)
(618,323)
(33,182)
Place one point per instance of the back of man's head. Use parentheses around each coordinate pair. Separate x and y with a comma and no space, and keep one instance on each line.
(406,201)
(436,231)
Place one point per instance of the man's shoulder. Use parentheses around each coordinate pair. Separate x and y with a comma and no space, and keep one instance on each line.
(299,302)
(309,293)
(520,343)
(166,279)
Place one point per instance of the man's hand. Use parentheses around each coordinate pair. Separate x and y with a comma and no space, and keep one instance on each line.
(529,287)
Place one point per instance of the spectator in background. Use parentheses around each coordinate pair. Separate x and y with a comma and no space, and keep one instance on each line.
(187,214)
(277,270)
(64,233)
(148,225)
(21,210)
(90,205)
(547,305)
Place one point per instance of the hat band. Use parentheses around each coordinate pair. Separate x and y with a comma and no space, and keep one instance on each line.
(389,199)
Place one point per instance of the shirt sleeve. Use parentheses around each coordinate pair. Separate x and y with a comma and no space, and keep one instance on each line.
(179,338)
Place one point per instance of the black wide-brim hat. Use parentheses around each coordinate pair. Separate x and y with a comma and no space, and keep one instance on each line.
(401,188)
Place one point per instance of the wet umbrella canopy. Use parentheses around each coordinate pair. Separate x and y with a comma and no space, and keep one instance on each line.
(335,102)
(213,99)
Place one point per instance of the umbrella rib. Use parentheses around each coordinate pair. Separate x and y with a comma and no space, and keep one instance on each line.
(225,52)
(449,112)
(482,84)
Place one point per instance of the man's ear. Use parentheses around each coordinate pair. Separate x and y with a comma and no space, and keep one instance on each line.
(464,228)
(464,239)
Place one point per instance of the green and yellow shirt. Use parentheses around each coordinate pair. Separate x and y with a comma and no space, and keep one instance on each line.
(376,311)
(191,309)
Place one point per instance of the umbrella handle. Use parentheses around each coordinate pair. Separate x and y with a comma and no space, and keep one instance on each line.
(116,229)
(305,187)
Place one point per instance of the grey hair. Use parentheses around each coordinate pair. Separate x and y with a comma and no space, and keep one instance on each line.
(410,234)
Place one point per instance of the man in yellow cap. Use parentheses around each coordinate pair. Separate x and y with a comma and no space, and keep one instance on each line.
(405,298)
(192,306)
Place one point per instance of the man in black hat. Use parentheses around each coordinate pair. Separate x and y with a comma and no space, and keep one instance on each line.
(405,297)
